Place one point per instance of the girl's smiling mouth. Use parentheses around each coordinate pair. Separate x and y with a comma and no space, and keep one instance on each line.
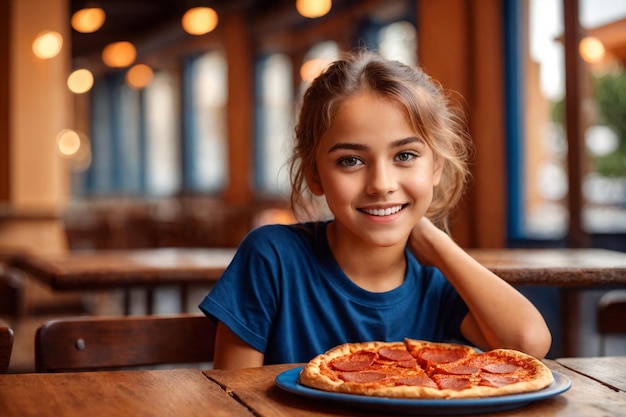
(381,212)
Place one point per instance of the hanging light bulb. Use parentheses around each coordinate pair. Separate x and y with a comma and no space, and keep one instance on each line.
(68,142)
(88,20)
(312,68)
(591,49)
(80,81)
(139,76)
(48,44)
(313,8)
(119,54)
(199,20)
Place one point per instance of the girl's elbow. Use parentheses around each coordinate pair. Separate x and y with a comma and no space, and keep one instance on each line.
(536,341)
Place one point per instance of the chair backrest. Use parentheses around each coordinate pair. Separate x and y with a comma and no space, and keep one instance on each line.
(6,346)
(611,317)
(97,343)
(11,302)
(612,312)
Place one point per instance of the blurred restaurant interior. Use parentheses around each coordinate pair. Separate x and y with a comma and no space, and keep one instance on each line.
(149,132)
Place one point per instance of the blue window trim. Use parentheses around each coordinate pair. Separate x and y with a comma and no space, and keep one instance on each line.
(189,181)
(114,101)
(514,47)
(259,121)
(143,144)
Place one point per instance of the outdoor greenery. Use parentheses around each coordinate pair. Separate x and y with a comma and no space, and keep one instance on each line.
(609,91)
(610,95)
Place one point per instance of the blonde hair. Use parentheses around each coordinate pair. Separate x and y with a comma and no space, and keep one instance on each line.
(429,111)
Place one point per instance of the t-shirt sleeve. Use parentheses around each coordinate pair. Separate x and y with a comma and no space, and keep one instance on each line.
(245,297)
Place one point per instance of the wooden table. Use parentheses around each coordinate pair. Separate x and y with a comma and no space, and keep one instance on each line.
(163,393)
(115,269)
(568,269)
(611,370)
(83,270)
(252,392)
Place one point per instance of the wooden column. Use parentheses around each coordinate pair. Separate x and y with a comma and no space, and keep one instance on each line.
(460,45)
(575,141)
(36,106)
(240,120)
(5,149)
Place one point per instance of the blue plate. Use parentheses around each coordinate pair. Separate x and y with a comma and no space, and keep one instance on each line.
(288,380)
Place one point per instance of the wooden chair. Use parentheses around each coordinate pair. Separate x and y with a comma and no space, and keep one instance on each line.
(611,319)
(98,343)
(11,299)
(6,346)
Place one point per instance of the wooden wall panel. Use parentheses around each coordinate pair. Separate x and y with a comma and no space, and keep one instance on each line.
(460,45)
(5,150)
(240,120)
(487,124)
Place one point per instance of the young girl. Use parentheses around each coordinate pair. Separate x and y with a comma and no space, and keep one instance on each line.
(380,142)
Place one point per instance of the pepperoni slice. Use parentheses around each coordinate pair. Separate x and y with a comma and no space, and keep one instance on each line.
(497,380)
(397,355)
(417,381)
(355,362)
(411,363)
(441,355)
(459,370)
(500,368)
(362,377)
(453,383)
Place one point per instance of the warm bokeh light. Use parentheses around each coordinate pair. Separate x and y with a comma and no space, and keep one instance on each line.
(139,76)
(80,81)
(119,54)
(313,8)
(48,44)
(75,147)
(68,142)
(591,49)
(199,20)
(312,68)
(88,20)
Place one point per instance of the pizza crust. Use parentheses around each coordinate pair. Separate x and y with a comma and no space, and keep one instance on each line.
(385,378)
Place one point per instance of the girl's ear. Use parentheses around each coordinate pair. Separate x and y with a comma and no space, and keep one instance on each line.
(314,183)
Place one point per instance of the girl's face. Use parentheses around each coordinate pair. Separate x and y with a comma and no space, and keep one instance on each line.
(377,176)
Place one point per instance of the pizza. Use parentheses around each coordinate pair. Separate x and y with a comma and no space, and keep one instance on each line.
(423,369)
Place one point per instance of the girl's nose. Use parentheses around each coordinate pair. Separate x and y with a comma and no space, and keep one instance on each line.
(381,179)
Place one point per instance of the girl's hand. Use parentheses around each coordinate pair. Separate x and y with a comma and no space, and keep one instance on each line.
(424,239)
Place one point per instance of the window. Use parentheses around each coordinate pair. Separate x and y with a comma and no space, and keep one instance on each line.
(116,138)
(206,152)
(163,142)
(543,153)
(398,41)
(604,114)
(275,115)
(539,202)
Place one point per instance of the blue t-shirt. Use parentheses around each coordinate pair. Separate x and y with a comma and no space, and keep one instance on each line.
(285,295)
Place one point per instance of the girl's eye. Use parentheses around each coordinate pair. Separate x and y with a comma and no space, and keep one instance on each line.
(406,156)
(349,161)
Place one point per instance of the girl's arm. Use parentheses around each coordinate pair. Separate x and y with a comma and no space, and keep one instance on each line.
(231,352)
(499,316)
